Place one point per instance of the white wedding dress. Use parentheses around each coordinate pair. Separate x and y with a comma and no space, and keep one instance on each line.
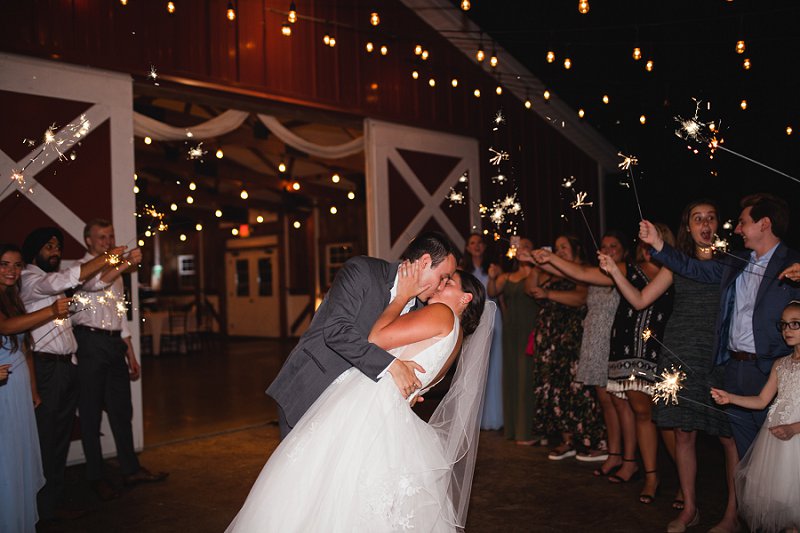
(361,460)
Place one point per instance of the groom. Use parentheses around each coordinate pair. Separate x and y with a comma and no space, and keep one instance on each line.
(337,337)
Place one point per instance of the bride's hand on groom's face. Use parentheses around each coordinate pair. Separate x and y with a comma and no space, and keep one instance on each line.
(408,281)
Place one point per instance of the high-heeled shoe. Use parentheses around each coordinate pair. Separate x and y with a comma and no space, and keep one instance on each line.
(676,526)
(647,499)
(614,478)
(597,472)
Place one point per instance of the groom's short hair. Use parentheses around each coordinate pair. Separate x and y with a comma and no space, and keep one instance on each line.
(434,243)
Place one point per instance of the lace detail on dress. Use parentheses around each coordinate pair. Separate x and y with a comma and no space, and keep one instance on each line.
(786,407)
(389,502)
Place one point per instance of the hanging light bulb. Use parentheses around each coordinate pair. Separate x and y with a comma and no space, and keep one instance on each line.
(384,50)
(649,65)
(493,60)
(173,207)
(499,90)
(417,49)
(218,213)
(260,219)
(140,242)
(332,41)
(192,186)
(326,39)
(198,227)
(740,47)
(292,15)
(415,74)
(231,13)
(605,99)
(351,195)
(424,55)
(170,7)
(189,200)
(432,82)
(123,2)
(286,29)
(454,82)
(183,237)
(374,18)
(244,194)
(637,53)
(642,119)
(788,130)
(528,103)
(551,56)
(234,231)
(282,166)
(743,104)
(465,5)
(746,64)
(148,140)
(369,47)
(334,210)
(581,113)
(135,189)
(567,63)
(480,55)
(583,6)
(296,186)
(476,93)
(546,94)
(220,154)
(336,178)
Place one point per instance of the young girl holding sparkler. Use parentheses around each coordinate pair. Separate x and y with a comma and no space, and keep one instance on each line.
(21,474)
(689,338)
(768,478)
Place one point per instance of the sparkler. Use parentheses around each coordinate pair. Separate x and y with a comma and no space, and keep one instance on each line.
(498,157)
(153,75)
(498,120)
(667,389)
(647,334)
(629,161)
(197,152)
(579,203)
(455,197)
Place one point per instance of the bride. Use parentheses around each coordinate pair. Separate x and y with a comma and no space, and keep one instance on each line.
(360,459)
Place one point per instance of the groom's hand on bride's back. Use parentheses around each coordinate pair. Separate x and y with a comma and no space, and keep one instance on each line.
(404,376)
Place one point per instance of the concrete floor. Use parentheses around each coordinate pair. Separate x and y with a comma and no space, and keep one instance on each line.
(208,422)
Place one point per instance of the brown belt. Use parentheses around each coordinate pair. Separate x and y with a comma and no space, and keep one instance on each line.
(65,357)
(109,332)
(744,356)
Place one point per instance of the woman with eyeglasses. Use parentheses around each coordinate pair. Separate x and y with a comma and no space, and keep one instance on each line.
(768,478)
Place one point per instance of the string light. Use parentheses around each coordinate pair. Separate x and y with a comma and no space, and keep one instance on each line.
(743,104)
(292,15)
(788,130)
(493,60)
(740,46)
(335,178)
(259,219)
(173,207)
(140,242)
(417,49)
(581,113)
(465,5)
(282,167)
(567,63)
(189,200)
(183,237)
(369,46)
(649,65)
(192,186)
(583,6)
(477,93)
(351,195)
(231,13)
(480,55)
(374,18)
(170,7)
(326,39)
(551,56)
(244,194)
(220,154)
(135,189)
(746,64)
(296,224)
(642,119)
(528,103)
(334,210)
(286,29)
(499,90)
(424,55)
(218,213)
(546,94)
(198,227)
(148,233)
(234,231)
(605,99)
(148,140)
(637,53)
(296,186)
(432,82)
(415,74)
(384,50)
(454,82)
(123,2)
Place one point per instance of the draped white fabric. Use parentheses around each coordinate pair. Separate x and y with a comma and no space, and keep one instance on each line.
(327,152)
(144,126)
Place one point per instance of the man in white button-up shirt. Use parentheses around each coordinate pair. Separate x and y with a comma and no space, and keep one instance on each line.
(54,347)
(107,364)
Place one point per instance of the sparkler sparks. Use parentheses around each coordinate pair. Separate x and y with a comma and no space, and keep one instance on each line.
(498,157)
(580,201)
(627,161)
(568,182)
(197,152)
(498,120)
(499,178)
(153,75)
(670,385)
(455,197)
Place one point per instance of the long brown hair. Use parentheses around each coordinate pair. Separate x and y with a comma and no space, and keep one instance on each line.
(684,241)
(11,303)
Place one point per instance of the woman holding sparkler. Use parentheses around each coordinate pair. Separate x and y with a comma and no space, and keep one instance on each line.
(689,336)
(632,362)
(21,474)
(519,312)
(560,409)
(768,478)
(477,261)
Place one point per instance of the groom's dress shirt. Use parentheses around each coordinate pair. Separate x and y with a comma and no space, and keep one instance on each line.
(409,304)
(107,308)
(741,337)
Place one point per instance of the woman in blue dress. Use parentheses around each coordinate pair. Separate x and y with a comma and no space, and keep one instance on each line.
(20,460)
(476,261)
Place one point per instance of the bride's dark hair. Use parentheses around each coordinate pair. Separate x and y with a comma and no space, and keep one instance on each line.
(471,316)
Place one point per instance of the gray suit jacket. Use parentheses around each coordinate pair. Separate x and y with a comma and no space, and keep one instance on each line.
(337,337)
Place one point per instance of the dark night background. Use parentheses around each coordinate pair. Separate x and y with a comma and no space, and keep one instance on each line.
(693,46)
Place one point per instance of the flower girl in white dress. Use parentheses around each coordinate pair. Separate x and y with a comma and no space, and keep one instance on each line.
(360,459)
(768,477)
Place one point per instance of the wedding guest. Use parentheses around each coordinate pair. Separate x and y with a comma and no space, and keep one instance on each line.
(21,474)
(632,363)
(477,261)
(42,284)
(751,301)
(107,365)
(519,312)
(561,408)
(690,337)
(768,477)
